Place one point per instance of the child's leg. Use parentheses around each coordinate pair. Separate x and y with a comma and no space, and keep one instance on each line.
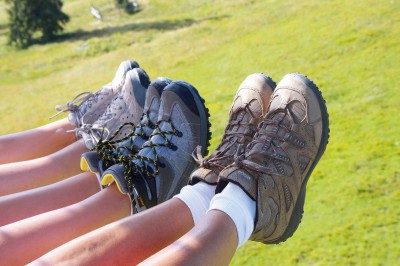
(127,241)
(25,240)
(212,242)
(20,176)
(35,143)
(32,202)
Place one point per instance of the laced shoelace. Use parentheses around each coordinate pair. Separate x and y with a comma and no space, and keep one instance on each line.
(108,114)
(75,104)
(98,129)
(267,138)
(108,149)
(145,170)
(229,139)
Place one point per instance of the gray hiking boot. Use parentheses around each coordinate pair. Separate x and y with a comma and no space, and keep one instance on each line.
(277,164)
(107,152)
(163,165)
(127,107)
(87,107)
(248,109)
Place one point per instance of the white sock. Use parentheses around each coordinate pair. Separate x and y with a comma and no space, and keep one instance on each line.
(197,198)
(240,207)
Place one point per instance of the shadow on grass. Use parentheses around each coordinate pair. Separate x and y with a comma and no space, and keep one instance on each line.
(3,29)
(165,25)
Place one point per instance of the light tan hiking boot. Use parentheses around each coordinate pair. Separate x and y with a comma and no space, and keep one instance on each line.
(248,108)
(277,164)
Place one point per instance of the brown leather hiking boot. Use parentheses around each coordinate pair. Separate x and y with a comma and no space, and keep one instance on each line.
(277,164)
(248,108)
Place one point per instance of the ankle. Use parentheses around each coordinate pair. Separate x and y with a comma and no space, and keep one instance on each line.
(239,207)
(197,198)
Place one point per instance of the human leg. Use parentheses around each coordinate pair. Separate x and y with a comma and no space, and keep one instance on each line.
(39,234)
(84,109)
(20,176)
(269,180)
(248,108)
(166,158)
(127,241)
(212,242)
(35,143)
(244,112)
(25,204)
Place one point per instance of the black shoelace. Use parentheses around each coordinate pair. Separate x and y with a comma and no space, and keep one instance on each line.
(131,164)
(109,151)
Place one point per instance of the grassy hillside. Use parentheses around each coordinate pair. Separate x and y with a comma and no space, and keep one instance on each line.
(351,49)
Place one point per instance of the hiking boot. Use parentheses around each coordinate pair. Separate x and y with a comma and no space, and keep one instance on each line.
(277,164)
(248,109)
(107,152)
(164,163)
(87,107)
(127,107)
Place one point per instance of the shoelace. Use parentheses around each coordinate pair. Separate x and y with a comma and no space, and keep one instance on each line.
(108,114)
(109,151)
(229,139)
(107,148)
(98,129)
(73,105)
(131,168)
(267,137)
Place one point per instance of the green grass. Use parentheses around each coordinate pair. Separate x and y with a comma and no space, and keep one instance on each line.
(351,49)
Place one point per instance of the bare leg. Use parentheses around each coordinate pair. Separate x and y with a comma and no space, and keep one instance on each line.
(32,202)
(20,176)
(35,143)
(127,241)
(28,239)
(212,242)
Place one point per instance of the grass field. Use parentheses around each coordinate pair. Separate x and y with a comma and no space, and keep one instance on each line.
(351,49)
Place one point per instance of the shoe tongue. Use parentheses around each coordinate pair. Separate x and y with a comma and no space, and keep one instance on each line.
(152,108)
(145,129)
(231,142)
(256,153)
(155,141)
(240,123)
(116,104)
(239,118)
(107,90)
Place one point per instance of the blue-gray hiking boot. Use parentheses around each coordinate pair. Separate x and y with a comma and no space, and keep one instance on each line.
(164,163)
(127,107)
(275,167)
(248,109)
(107,152)
(87,107)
